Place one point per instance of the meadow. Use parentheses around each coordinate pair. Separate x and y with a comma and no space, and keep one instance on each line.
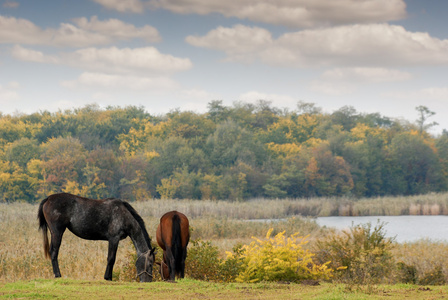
(195,289)
(24,269)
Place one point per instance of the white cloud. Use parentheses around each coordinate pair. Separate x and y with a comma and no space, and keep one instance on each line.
(9,92)
(113,59)
(147,59)
(331,88)
(194,99)
(13,30)
(291,13)
(278,100)
(118,29)
(366,75)
(13,85)
(435,93)
(87,33)
(237,42)
(25,54)
(133,6)
(111,82)
(430,93)
(345,81)
(353,45)
(10,4)
(198,94)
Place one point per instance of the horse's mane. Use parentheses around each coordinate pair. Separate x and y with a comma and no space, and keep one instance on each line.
(139,221)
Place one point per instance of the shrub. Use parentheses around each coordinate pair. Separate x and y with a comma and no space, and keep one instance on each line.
(360,255)
(434,277)
(233,265)
(426,257)
(203,261)
(406,273)
(279,259)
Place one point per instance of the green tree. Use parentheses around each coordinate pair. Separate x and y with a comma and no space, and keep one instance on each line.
(64,159)
(108,171)
(442,151)
(134,183)
(346,116)
(230,143)
(417,162)
(334,178)
(191,126)
(217,112)
(21,151)
(423,115)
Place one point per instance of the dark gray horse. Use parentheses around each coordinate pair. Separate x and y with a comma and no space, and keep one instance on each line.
(108,219)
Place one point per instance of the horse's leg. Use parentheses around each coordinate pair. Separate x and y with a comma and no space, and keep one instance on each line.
(111,255)
(171,263)
(56,239)
(182,266)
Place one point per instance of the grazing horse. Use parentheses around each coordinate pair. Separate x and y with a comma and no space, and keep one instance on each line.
(173,235)
(108,219)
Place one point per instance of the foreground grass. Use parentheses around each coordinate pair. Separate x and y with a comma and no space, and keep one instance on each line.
(193,289)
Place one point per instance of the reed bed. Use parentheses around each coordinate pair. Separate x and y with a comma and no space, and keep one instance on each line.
(428,204)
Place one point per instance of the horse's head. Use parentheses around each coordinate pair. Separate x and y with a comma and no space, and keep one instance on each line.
(145,264)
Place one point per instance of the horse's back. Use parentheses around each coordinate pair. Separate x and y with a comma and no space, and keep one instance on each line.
(165,229)
(168,217)
(57,207)
(87,218)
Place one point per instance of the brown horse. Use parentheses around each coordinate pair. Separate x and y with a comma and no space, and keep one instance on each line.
(173,235)
(107,219)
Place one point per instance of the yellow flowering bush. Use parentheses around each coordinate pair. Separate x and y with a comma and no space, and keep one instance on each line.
(279,258)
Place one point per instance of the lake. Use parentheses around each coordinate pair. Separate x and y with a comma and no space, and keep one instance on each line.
(403,228)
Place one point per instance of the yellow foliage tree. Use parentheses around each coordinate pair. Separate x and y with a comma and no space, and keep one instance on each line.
(135,139)
(168,188)
(285,150)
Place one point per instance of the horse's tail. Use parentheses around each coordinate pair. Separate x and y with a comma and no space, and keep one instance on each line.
(43,226)
(176,245)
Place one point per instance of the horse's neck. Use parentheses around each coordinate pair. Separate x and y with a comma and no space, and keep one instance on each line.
(139,241)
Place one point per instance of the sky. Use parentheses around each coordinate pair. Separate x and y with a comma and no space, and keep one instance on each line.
(378,56)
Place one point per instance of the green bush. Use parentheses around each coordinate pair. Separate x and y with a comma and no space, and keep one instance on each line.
(203,262)
(233,265)
(427,258)
(406,273)
(360,255)
(433,277)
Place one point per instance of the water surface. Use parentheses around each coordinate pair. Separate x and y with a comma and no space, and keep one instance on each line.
(403,228)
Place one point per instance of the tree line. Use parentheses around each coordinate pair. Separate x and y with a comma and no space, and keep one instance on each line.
(232,152)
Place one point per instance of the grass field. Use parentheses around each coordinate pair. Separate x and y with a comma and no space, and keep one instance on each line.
(194,289)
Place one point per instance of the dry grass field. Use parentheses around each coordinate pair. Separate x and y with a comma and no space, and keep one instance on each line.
(225,224)
(21,252)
